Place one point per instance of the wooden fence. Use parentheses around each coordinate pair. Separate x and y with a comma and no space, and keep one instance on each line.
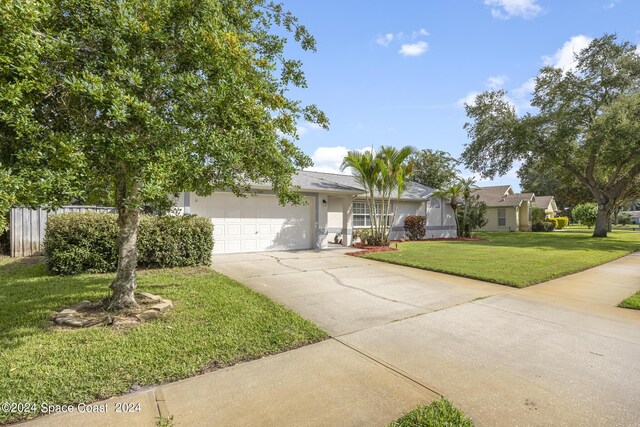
(27,227)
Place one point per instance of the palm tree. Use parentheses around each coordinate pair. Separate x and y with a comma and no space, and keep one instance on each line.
(452,193)
(467,186)
(381,174)
(394,172)
(365,170)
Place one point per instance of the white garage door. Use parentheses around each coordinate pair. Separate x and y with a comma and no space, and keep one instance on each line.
(255,223)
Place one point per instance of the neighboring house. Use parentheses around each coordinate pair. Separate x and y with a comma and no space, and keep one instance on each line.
(506,210)
(335,204)
(548,203)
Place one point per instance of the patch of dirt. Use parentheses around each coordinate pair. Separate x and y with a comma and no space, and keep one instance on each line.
(86,314)
(369,249)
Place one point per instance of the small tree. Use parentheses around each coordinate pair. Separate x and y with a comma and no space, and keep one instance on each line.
(624,218)
(585,214)
(452,195)
(146,99)
(473,216)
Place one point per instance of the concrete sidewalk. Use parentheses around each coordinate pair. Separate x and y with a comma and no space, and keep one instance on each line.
(558,353)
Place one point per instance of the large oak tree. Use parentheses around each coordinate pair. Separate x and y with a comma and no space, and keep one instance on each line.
(146,99)
(587,122)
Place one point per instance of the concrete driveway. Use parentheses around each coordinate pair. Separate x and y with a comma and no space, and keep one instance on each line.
(558,353)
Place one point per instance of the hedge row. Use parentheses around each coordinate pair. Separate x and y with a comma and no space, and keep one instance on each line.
(559,222)
(86,242)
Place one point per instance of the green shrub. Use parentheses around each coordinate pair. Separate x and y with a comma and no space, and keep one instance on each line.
(561,222)
(624,218)
(537,215)
(415,226)
(585,214)
(543,226)
(553,221)
(86,243)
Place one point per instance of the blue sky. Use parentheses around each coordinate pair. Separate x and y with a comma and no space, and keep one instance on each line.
(397,73)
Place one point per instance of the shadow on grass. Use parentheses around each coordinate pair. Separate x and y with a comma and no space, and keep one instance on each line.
(30,295)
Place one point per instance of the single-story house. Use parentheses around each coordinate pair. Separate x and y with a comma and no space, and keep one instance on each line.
(548,203)
(335,204)
(506,210)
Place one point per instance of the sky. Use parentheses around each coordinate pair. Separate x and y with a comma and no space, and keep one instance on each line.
(398,73)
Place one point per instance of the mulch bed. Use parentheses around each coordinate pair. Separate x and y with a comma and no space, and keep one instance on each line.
(86,314)
(369,249)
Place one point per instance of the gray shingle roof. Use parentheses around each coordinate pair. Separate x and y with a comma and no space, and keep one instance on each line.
(499,196)
(337,183)
(543,201)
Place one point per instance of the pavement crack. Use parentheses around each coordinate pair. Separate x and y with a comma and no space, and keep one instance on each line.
(279,261)
(390,367)
(341,283)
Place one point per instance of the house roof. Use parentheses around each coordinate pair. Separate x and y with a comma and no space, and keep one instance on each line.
(501,196)
(320,181)
(543,201)
(333,182)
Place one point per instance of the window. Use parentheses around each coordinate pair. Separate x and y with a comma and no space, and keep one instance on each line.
(502,217)
(360,214)
(434,203)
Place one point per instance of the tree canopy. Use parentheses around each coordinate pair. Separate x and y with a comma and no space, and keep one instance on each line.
(144,99)
(436,169)
(545,179)
(587,122)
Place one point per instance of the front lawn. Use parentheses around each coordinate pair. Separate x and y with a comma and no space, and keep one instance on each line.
(438,413)
(216,322)
(632,302)
(515,259)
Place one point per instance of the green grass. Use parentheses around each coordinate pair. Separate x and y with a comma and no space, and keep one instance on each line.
(439,413)
(632,302)
(515,259)
(216,322)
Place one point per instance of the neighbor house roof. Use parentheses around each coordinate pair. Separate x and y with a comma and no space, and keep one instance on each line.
(543,201)
(501,196)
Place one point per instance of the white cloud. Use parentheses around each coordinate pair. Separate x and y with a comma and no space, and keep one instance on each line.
(420,32)
(505,9)
(307,127)
(469,99)
(414,49)
(385,39)
(329,159)
(611,4)
(525,89)
(496,82)
(565,56)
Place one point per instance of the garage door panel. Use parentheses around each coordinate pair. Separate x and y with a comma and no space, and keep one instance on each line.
(233,230)
(256,223)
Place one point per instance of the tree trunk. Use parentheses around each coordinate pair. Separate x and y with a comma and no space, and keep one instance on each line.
(602,221)
(124,285)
